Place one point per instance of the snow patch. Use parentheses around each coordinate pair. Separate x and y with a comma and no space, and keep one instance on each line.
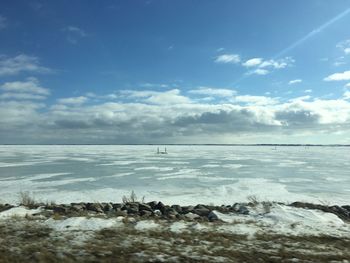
(83,223)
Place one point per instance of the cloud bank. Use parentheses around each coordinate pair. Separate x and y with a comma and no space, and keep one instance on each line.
(170,116)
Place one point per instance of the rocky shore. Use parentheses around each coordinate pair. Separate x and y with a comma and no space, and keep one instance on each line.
(155,232)
(149,210)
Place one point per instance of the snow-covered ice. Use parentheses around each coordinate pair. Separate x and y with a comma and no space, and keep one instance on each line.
(187,175)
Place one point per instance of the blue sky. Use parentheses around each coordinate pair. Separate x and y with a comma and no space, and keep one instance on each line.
(175,71)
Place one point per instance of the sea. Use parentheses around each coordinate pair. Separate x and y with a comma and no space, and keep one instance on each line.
(187,174)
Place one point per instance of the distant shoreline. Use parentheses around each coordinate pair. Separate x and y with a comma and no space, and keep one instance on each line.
(193,144)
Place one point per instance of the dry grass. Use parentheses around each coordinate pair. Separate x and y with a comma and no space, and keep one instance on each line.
(132,198)
(28,241)
(27,199)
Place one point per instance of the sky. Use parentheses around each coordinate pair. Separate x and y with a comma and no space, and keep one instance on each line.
(185,71)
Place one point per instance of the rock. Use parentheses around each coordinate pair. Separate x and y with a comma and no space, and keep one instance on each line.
(191,216)
(187,209)
(60,209)
(132,208)
(177,208)
(170,212)
(146,213)
(145,207)
(78,207)
(241,209)
(341,212)
(152,204)
(212,216)
(116,206)
(107,207)
(202,211)
(96,207)
(122,213)
(129,220)
(160,206)
(157,212)
(5,207)
(224,209)
(346,207)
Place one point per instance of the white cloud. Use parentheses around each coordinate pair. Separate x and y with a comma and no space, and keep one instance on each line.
(295,81)
(302,98)
(259,71)
(3,22)
(347,85)
(21,63)
(31,85)
(263,67)
(256,100)
(213,92)
(155,97)
(277,64)
(308,91)
(73,100)
(338,76)
(74,34)
(76,30)
(346,95)
(21,96)
(228,58)
(252,62)
(155,85)
(344,46)
(149,116)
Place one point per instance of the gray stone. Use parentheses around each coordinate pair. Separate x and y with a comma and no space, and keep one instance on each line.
(60,209)
(145,207)
(201,211)
(152,204)
(121,213)
(191,216)
(241,209)
(116,206)
(160,206)
(213,216)
(177,208)
(145,213)
(96,207)
(132,208)
(107,207)
(78,207)
(157,212)
(187,209)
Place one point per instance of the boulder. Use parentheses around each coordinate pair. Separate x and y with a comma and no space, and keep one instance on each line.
(241,209)
(132,208)
(96,207)
(187,209)
(107,207)
(212,216)
(5,207)
(122,213)
(160,206)
(60,209)
(116,206)
(145,207)
(152,204)
(201,211)
(191,216)
(145,213)
(177,208)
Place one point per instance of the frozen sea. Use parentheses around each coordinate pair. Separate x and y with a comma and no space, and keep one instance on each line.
(186,175)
